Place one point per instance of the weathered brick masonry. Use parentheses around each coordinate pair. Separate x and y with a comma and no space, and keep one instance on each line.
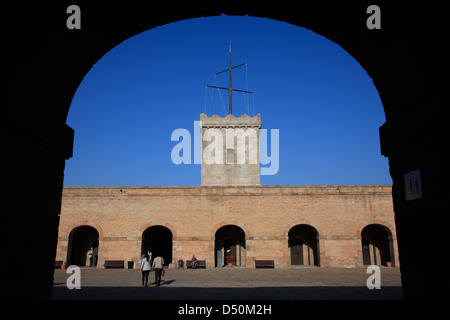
(266,214)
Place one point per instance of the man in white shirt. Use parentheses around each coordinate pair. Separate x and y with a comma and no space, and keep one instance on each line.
(158,265)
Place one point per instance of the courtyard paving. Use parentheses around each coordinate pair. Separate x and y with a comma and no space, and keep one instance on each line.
(304,283)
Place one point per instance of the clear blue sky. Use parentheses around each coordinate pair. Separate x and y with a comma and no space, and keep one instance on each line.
(322,101)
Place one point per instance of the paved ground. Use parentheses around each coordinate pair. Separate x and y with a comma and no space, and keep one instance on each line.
(305,283)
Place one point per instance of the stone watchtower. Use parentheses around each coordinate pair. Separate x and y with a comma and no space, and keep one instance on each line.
(230,150)
(230,145)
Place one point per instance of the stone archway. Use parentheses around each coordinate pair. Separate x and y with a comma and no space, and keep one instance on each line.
(406,60)
(229,246)
(158,239)
(303,241)
(83,247)
(377,246)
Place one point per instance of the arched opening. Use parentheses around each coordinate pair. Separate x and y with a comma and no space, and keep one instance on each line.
(83,247)
(404,83)
(377,247)
(229,246)
(304,245)
(158,239)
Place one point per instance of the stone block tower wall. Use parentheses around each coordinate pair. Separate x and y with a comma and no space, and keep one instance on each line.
(230,150)
(265,215)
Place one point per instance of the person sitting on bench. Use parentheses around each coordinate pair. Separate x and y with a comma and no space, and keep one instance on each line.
(194,262)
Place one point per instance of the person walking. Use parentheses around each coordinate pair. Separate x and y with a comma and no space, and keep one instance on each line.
(149,256)
(158,265)
(145,269)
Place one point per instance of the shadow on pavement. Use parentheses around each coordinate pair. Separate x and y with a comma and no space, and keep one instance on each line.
(165,292)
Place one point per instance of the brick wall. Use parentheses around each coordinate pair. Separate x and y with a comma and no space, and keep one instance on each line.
(194,214)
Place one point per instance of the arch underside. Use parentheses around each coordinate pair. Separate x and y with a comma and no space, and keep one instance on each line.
(44,64)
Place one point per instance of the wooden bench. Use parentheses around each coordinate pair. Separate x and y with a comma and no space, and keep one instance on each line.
(58,264)
(264,264)
(114,264)
(200,264)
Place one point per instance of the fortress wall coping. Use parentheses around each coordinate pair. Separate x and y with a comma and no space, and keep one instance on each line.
(229,190)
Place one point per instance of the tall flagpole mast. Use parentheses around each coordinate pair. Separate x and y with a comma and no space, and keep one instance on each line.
(230,88)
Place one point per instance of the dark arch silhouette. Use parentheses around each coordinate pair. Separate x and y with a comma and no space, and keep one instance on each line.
(158,239)
(44,63)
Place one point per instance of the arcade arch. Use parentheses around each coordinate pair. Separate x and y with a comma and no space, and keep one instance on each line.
(83,247)
(158,239)
(304,245)
(377,246)
(229,246)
